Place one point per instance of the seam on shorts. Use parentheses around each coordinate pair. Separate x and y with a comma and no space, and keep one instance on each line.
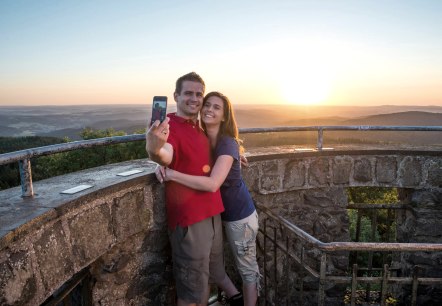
(242,246)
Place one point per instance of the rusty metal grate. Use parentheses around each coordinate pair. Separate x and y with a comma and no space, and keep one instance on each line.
(289,279)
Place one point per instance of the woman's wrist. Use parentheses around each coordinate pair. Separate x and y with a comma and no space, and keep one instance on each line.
(170,174)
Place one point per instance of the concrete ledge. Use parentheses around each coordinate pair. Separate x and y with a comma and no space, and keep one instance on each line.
(22,214)
(50,237)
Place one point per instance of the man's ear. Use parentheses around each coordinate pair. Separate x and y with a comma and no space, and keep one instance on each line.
(175,95)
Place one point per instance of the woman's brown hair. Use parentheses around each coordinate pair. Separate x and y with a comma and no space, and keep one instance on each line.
(228,126)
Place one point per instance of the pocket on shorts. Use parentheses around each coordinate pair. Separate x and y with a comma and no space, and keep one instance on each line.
(188,277)
(244,240)
(179,233)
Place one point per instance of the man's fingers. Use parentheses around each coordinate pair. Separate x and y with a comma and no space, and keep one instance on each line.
(154,126)
(164,124)
(163,128)
(159,126)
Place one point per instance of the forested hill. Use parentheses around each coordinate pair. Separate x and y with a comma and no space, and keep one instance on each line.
(412,118)
(11,144)
(69,121)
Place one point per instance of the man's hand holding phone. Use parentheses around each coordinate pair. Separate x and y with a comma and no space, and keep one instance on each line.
(157,136)
(156,142)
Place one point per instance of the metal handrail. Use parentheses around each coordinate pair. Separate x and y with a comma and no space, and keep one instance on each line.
(24,156)
(326,248)
(350,246)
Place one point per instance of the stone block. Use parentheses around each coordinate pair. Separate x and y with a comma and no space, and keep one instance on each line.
(319,172)
(318,198)
(130,214)
(435,174)
(270,184)
(341,169)
(155,197)
(156,241)
(427,200)
(251,177)
(362,170)
(54,256)
(410,172)
(270,180)
(17,281)
(91,233)
(428,228)
(386,169)
(294,174)
(428,213)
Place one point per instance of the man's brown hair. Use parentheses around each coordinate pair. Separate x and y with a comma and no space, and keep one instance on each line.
(192,76)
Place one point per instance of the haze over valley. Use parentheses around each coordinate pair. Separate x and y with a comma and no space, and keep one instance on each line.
(69,121)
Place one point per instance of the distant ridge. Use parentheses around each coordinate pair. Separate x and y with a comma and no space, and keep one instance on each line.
(65,121)
(403,118)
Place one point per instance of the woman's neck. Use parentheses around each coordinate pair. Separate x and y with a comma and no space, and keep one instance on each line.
(212,133)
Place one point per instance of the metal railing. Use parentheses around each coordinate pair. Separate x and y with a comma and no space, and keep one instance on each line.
(284,244)
(24,156)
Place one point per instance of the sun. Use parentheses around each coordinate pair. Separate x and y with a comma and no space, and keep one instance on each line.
(304,73)
(304,92)
(305,89)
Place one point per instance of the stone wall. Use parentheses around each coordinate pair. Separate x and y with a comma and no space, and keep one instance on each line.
(421,224)
(118,232)
(310,192)
(118,228)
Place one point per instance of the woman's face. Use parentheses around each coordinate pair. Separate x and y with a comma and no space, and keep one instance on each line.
(213,111)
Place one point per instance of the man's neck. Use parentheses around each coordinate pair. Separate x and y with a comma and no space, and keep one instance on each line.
(187,117)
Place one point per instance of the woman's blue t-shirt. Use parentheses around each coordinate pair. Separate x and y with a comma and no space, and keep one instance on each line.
(238,203)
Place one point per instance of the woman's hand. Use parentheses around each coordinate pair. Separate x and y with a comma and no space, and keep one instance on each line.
(163,174)
(160,173)
(244,161)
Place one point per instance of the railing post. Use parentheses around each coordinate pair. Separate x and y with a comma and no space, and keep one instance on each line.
(24,166)
(322,279)
(414,286)
(384,288)
(287,269)
(320,139)
(301,288)
(374,225)
(354,285)
(265,261)
(275,262)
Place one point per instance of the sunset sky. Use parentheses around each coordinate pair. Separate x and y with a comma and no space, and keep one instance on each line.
(351,52)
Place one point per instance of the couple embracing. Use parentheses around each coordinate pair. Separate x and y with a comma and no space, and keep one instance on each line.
(204,189)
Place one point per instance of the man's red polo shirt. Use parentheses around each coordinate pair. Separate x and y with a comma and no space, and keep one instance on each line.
(191,155)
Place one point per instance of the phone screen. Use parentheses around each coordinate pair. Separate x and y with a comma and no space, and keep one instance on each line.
(159,107)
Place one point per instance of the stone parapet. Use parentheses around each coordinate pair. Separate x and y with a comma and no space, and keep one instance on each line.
(117,229)
(403,169)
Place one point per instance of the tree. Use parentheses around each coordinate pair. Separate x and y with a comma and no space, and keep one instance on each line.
(72,161)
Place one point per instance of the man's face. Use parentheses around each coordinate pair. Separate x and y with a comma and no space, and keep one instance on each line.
(190,100)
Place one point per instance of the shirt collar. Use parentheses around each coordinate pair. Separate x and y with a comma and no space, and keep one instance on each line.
(179,119)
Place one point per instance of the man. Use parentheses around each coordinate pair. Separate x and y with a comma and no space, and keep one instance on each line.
(195,229)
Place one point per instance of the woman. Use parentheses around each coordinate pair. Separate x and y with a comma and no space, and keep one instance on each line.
(240,218)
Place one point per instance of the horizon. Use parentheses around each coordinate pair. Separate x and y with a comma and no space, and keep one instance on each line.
(237,105)
(68,121)
(299,53)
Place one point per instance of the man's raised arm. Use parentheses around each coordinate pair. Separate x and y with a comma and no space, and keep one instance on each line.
(157,147)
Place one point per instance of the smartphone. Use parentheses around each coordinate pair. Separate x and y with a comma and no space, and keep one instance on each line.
(159,106)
